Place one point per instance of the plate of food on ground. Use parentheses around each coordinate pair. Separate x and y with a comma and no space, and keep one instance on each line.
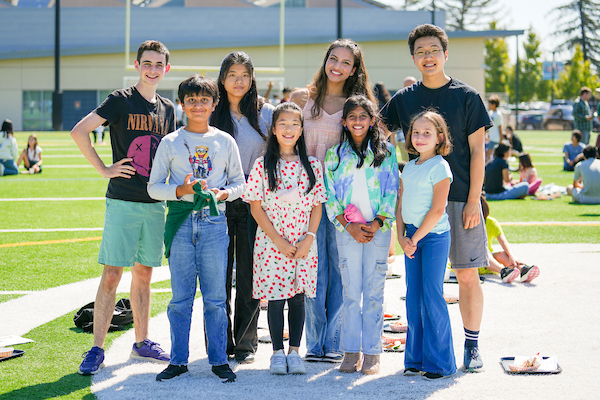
(395,327)
(7,353)
(393,344)
(391,317)
(530,365)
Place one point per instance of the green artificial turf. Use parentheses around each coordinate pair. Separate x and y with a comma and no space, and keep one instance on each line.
(49,367)
(7,297)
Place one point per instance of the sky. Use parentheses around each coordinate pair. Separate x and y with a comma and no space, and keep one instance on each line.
(521,15)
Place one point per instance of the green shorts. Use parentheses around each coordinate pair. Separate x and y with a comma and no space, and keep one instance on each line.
(133,232)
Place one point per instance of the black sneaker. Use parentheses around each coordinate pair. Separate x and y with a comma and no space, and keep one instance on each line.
(411,372)
(430,376)
(508,274)
(171,372)
(247,358)
(224,372)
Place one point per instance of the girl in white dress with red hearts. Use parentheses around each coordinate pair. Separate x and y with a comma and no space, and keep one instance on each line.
(285,190)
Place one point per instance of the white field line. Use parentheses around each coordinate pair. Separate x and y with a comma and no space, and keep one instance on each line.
(53,198)
(51,230)
(73,155)
(553,223)
(26,292)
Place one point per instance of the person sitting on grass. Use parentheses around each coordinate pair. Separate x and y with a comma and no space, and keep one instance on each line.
(573,151)
(586,180)
(514,140)
(504,262)
(31,156)
(528,173)
(498,182)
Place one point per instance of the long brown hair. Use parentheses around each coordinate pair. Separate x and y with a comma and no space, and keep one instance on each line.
(358,83)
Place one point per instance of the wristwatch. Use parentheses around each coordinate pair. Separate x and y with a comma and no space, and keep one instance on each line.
(378,220)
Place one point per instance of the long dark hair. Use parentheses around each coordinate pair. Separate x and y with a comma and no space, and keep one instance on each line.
(358,83)
(250,104)
(272,154)
(7,128)
(374,135)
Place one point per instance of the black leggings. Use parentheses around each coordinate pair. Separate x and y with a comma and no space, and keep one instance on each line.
(295,320)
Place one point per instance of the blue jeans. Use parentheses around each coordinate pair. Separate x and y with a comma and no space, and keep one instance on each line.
(10,168)
(429,346)
(514,192)
(363,267)
(324,310)
(199,252)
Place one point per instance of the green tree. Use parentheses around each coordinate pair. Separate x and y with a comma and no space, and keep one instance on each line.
(579,21)
(531,84)
(577,74)
(462,15)
(497,62)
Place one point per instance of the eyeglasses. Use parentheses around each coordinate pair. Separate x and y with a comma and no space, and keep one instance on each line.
(432,52)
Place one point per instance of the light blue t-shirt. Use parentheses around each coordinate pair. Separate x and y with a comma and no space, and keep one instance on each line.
(417,195)
(573,152)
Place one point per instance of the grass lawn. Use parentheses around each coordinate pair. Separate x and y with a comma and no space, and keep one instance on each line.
(41,260)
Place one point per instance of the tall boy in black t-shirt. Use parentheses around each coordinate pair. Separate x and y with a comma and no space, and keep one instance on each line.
(467,121)
(134,223)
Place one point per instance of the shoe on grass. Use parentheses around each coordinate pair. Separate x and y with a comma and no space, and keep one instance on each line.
(295,364)
(333,357)
(278,363)
(472,360)
(93,361)
(150,351)
(370,364)
(352,362)
(508,274)
(411,372)
(529,273)
(171,372)
(224,372)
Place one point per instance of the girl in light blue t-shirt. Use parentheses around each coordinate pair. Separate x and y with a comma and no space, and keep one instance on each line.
(421,216)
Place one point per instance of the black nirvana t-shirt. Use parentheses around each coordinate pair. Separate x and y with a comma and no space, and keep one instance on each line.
(463,109)
(136,128)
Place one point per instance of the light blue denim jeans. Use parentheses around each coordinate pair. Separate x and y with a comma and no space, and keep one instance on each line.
(429,345)
(514,192)
(363,267)
(322,325)
(9,167)
(199,253)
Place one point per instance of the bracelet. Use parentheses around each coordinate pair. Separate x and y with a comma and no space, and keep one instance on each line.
(314,235)
(379,220)
(347,223)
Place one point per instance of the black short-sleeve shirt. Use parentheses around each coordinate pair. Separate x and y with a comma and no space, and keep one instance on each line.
(493,175)
(136,128)
(464,111)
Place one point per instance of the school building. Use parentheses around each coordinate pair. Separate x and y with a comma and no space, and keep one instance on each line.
(93,61)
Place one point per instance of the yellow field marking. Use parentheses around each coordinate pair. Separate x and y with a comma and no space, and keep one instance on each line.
(552,223)
(88,239)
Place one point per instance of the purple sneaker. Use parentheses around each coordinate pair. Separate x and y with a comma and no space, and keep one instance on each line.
(150,351)
(93,361)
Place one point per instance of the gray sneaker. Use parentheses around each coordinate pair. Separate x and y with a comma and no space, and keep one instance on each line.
(278,363)
(472,360)
(295,364)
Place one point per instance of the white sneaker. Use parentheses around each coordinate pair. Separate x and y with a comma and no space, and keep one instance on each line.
(278,363)
(295,364)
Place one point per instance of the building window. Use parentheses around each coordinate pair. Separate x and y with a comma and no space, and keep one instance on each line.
(37,110)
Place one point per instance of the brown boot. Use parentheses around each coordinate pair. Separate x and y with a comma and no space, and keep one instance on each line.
(370,365)
(351,363)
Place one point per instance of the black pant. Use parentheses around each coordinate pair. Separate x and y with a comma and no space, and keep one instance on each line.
(243,338)
(295,320)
